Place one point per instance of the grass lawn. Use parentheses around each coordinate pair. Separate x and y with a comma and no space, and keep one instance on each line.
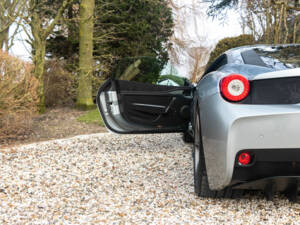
(92,116)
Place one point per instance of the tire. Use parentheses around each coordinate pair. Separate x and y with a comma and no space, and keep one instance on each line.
(187,137)
(201,185)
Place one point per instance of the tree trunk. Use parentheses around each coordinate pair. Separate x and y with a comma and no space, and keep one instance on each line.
(38,40)
(268,21)
(39,63)
(296,28)
(294,31)
(86,30)
(285,18)
(278,28)
(4,39)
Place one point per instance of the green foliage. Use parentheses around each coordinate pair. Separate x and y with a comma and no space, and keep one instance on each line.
(142,28)
(176,79)
(92,116)
(228,43)
(64,47)
(123,30)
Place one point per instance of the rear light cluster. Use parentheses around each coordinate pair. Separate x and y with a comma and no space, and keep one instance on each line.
(235,87)
(246,158)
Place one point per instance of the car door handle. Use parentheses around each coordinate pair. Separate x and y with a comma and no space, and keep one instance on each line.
(150,108)
(170,105)
(154,109)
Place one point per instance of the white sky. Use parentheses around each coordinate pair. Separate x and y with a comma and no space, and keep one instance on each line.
(212,29)
(217,31)
(20,48)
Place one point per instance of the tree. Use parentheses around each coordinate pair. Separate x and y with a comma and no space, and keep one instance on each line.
(42,17)
(272,22)
(269,21)
(190,49)
(10,11)
(86,62)
(123,31)
(139,28)
(199,57)
(63,43)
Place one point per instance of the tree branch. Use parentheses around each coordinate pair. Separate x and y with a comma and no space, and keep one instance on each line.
(57,17)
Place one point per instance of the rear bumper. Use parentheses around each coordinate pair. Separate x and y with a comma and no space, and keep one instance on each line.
(230,128)
(268,163)
(277,183)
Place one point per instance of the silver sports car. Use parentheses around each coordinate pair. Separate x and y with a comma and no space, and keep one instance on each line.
(243,117)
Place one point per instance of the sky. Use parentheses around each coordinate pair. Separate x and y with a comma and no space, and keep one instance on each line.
(198,31)
(210,31)
(21,48)
(216,30)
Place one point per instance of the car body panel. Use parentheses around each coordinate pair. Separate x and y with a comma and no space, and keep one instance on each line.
(240,127)
(249,71)
(228,128)
(279,74)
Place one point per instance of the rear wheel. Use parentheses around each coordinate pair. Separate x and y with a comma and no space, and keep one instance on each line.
(201,185)
(187,137)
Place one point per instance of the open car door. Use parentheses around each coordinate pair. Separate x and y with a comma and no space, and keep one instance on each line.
(129,107)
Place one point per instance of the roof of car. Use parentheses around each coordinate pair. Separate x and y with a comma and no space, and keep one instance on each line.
(249,47)
(244,55)
(247,55)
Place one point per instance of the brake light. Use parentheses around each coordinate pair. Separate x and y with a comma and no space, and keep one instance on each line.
(244,158)
(235,87)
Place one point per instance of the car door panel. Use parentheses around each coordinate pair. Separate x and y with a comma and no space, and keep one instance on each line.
(132,107)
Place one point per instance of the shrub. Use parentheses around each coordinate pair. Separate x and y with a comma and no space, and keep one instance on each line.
(59,85)
(228,43)
(18,96)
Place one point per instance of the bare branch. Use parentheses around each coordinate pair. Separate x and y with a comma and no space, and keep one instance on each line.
(57,17)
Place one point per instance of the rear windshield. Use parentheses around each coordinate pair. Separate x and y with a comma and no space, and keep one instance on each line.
(280,57)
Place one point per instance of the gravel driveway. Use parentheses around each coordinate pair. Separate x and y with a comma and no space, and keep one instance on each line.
(112,179)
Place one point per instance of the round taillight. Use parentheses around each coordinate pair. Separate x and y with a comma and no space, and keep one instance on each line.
(244,158)
(235,87)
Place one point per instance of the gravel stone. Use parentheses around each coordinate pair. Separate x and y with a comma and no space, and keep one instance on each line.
(111,179)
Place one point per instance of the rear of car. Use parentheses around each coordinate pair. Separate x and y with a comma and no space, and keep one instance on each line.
(250,119)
